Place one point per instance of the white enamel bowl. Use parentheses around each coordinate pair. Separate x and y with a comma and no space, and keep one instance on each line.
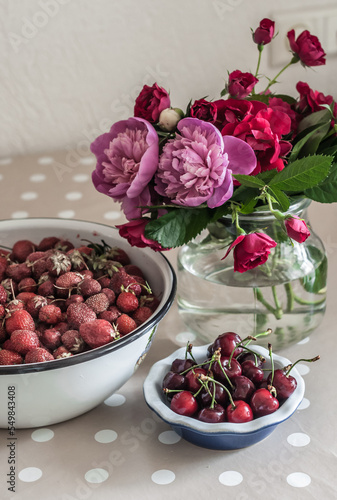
(54,391)
(226,435)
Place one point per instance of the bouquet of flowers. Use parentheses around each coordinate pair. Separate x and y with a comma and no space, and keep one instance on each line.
(175,172)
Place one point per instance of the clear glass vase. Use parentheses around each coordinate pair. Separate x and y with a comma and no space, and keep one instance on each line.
(286,294)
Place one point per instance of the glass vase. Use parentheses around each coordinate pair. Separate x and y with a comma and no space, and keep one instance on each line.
(286,294)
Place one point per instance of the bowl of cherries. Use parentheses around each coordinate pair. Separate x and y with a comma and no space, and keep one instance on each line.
(226,395)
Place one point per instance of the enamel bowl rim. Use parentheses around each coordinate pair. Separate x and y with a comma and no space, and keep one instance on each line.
(155,400)
(107,348)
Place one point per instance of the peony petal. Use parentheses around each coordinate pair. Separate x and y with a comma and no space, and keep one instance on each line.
(242,159)
(222,193)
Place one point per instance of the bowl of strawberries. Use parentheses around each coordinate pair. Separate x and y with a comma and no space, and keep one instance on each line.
(79,308)
(226,395)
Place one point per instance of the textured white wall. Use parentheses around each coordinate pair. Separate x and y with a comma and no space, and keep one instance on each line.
(69,68)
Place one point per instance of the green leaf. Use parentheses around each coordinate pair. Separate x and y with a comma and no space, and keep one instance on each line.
(306,136)
(315,282)
(178,226)
(302,174)
(249,205)
(249,181)
(319,117)
(326,191)
(281,198)
(267,176)
(286,98)
(259,97)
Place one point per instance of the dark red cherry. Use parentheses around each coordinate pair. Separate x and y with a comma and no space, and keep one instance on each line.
(174,381)
(180,365)
(227,342)
(192,382)
(184,403)
(232,370)
(212,415)
(263,403)
(254,373)
(240,413)
(249,356)
(243,388)
(221,395)
(284,385)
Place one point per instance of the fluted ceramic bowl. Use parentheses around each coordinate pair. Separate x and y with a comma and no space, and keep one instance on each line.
(221,436)
(54,391)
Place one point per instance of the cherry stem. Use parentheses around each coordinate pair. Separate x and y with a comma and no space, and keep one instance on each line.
(316,358)
(217,359)
(262,334)
(189,347)
(272,364)
(205,378)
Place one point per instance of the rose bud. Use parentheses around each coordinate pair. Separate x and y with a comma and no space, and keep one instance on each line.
(169,118)
(297,229)
(250,250)
(265,32)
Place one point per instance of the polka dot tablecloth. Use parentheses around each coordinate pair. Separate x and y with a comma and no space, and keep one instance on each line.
(121,449)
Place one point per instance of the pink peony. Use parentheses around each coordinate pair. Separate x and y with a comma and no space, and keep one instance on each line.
(196,167)
(250,250)
(127,158)
(133,231)
(297,229)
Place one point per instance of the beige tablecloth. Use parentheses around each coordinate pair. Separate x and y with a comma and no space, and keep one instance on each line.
(120,449)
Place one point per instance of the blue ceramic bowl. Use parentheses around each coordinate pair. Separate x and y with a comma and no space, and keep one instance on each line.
(226,435)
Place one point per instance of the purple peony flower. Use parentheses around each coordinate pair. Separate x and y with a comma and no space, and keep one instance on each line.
(196,167)
(127,158)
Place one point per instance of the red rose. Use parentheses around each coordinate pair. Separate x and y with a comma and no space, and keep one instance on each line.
(151,102)
(311,100)
(265,32)
(297,229)
(241,84)
(250,250)
(233,111)
(263,133)
(204,110)
(307,48)
(133,231)
(279,105)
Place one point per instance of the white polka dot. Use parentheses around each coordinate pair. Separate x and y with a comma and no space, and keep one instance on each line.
(42,435)
(298,439)
(169,437)
(1,177)
(45,160)
(20,214)
(230,478)
(115,400)
(304,404)
(73,196)
(30,474)
(298,479)
(112,215)
(106,436)
(96,476)
(81,178)
(29,195)
(302,369)
(88,160)
(163,476)
(304,341)
(184,337)
(37,178)
(66,214)
(5,161)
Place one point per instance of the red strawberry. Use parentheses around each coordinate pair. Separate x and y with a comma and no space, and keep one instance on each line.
(25,296)
(14,305)
(10,357)
(111,314)
(18,271)
(50,314)
(3,295)
(2,315)
(134,270)
(58,263)
(38,355)
(142,314)
(78,314)
(3,333)
(61,352)
(150,301)
(47,243)
(64,245)
(72,340)
(97,333)
(46,288)
(121,280)
(19,320)
(34,305)
(51,338)
(110,294)
(27,285)
(89,287)
(21,249)
(125,324)
(61,327)
(10,286)
(118,255)
(104,281)
(66,282)
(127,302)
(98,303)
(74,299)
(23,341)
